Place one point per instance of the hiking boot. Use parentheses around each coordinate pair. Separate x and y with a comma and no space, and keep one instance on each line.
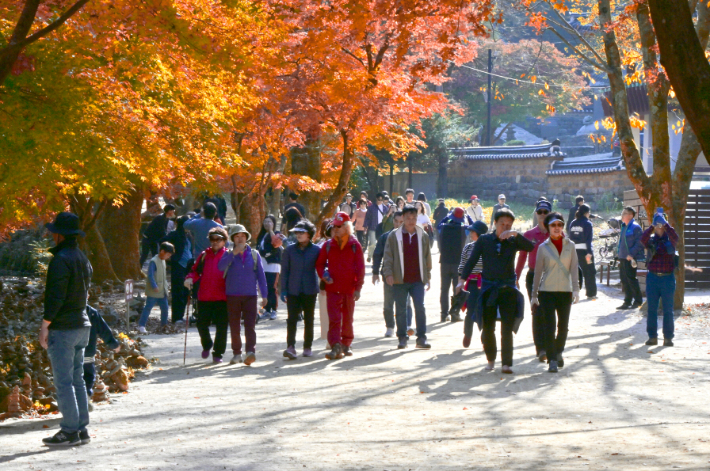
(237,358)
(560,360)
(250,358)
(553,366)
(652,341)
(389,332)
(205,354)
(456,318)
(444,317)
(347,351)
(542,356)
(63,439)
(402,343)
(216,359)
(307,352)
(421,343)
(624,306)
(667,342)
(636,305)
(84,437)
(336,353)
(291,353)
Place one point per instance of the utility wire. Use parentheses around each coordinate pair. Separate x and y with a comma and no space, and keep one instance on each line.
(541,84)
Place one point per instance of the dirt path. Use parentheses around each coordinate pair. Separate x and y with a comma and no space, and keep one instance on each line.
(615,405)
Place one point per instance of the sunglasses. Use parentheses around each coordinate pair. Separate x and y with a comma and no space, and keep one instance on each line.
(557,224)
(543,211)
(216,239)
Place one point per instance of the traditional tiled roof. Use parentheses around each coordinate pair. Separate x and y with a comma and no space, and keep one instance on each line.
(510,152)
(589,164)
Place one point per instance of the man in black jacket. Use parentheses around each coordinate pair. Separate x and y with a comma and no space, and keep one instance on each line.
(578,201)
(156,230)
(452,238)
(66,327)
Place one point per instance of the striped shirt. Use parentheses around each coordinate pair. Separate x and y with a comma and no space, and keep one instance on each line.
(465,255)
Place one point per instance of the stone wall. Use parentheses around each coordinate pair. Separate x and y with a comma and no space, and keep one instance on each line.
(525,180)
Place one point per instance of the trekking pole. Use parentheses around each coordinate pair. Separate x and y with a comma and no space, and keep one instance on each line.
(187,326)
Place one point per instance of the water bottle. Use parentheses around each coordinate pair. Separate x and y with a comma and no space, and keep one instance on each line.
(633,263)
(326,276)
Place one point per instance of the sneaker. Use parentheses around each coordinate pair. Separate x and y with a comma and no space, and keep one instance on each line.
(141,330)
(216,360)
(553,367)
(273,315)
(636,305)
(91,407)
(421,343)
(667,342)
(490,366)
(402,344)
(290,353)
(456,318)
(336,353)
(63,439)
(560,360)
(237,358)
(389,332)
(652,341)
(444,317)
(410,331)
(205,354)
(250,358)
(307,352)
(179,323)
(506,370)
(542,356)
(347,351)
(624,306)
(84,437)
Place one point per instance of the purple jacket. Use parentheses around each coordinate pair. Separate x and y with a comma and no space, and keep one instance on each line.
(242,278)
(371,217)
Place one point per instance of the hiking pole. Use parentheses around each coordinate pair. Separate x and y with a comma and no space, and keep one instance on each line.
(187,326)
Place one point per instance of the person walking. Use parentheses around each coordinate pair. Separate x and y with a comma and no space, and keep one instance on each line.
(537,235)
(409,196)
(452,235)
(421,197)
(156,288)
(373,223)
(269,243)
(578,202)
(99,329)
(407,268)
(348,207)
(179,267)
(630,249)
(65,328)
(388,309)
(299,287)
(472,284)
(581,232)
(359,220)
(399,202)
(243,272)
(341,266)
(200,228)
(156,230)
(498,288)
(387,221)
(555,288)
(293,203)
(661,241)
(474,210)
(325,231)
(211,295)
(501,205)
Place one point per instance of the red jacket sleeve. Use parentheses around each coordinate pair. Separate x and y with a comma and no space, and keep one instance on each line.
(359,267)
(322,260)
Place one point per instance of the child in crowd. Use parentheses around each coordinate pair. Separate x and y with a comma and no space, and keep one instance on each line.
(156,288)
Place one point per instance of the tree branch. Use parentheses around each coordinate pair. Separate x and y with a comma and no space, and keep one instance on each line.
(592,62)
(52,26)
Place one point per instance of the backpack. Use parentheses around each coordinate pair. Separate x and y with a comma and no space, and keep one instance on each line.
(257,260)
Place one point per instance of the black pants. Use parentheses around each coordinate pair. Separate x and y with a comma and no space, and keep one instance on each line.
(555,307)
(449,280)
(148,248)
(178,291)
(297,304)
(507,302)
(272,301)
(213,312)
(536,317)
(362,238)
(589,273)
(89,377)
(632,290)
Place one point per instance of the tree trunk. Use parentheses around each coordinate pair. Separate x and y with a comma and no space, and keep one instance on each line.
(342,187)
(94,247)
(410,164)
(120,229)
(391,162)
(442,189)
(683,58)
(306,161)
(372,176)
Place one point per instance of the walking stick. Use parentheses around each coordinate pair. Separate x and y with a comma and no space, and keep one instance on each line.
(187,326)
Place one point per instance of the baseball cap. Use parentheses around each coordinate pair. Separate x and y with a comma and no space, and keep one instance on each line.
(544,204)
(340,219)
(501,196)
(474,197)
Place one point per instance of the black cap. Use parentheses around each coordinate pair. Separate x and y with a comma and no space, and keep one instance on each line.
(66,224)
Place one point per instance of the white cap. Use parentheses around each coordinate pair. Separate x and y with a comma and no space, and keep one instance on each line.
(501,196)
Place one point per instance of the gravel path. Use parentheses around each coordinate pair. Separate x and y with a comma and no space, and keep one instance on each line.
(616,404)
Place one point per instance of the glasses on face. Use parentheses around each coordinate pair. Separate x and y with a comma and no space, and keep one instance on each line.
(557,224)
(543,211)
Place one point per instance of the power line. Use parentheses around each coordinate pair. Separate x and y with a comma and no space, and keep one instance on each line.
(524,81)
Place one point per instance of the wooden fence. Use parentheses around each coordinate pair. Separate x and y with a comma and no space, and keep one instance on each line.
(697,235)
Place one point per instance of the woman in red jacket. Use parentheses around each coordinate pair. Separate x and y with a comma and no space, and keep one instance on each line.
(342,266)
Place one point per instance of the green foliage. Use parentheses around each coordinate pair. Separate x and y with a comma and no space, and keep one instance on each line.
(515,142)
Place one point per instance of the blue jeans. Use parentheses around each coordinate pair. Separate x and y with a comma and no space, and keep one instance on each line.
(660,287)
(401,293)
(66,353)
(389,307)
(149,303)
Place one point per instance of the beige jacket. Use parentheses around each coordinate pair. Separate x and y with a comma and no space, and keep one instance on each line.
(393,261)
(161,279)
(556,272)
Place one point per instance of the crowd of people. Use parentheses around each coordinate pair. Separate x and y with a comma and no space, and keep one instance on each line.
(481,268)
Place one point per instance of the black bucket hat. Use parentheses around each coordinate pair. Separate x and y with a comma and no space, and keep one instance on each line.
(66,224)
